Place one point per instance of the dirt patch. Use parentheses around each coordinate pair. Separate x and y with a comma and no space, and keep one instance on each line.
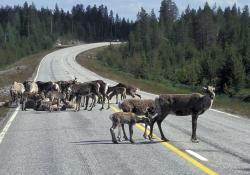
(15,69)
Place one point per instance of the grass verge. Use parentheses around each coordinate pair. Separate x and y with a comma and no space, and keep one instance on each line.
(89,60)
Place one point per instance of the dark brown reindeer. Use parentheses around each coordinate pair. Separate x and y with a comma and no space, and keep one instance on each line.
(65,86)
(103,88)
(118,91)
(181,105)
(130,90)
(85,101)
(84,89)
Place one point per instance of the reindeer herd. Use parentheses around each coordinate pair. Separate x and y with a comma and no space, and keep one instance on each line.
(62,95)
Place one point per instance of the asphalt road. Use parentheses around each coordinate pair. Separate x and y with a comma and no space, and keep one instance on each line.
(71,142)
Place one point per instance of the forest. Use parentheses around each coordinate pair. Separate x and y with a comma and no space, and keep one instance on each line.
(25,30)
(209,45)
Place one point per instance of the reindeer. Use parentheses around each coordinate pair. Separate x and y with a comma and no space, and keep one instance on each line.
(181,105)
(130,90)
(84,89)
(16,91)
(129,118)
(116,91)
(144,107)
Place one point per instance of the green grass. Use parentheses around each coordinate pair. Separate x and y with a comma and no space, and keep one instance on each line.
(222,102)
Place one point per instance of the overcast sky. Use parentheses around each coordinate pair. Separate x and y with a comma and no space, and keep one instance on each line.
(126,8)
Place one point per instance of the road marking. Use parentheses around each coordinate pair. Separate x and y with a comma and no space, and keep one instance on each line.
(198,156)
(235,116)
(38,69)
(176,150)
(5,129)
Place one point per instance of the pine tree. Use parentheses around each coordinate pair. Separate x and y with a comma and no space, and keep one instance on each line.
(168,14)
(231,74)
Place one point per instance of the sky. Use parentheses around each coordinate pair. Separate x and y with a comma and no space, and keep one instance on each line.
(127,8)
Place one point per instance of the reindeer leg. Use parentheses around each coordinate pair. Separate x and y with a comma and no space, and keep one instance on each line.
(17,100)
(113,133)
(87,102)
(194,126)
(21,100)
(159,126)
(78,103)
(145,131)
(24,104)
(83,101)
(124,133)
(119,133)
(150,136)
(93,102)
(99,95)
(116,95)
(108,102)
(131,133)
(58,104)
(103,98)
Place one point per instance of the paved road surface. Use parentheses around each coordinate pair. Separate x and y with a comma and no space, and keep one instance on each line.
(80,143)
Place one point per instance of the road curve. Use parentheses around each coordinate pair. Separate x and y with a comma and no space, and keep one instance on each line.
(80,143)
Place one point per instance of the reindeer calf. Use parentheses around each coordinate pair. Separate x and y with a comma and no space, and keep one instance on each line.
(129,118)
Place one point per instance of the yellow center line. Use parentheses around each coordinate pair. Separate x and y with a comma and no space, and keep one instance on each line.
(176,150)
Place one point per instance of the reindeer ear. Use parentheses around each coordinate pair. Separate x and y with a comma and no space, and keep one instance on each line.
(204,88)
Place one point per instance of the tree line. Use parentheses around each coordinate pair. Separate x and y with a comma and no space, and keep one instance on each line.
(25,29)
(209,45)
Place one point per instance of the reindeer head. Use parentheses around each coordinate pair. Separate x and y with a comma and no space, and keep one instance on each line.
(151,110)
(210,90)
(75,80)
(109,89)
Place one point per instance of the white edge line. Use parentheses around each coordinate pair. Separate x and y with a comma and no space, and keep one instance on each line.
(6,127)
(225,113)
(198,156)
(38,69)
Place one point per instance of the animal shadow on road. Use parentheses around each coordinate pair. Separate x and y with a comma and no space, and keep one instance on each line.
(107,142)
